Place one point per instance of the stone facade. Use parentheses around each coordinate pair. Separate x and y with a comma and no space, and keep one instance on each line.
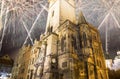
(69,48)
(20,69)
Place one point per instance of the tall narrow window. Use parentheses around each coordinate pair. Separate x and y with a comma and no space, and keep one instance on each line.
(63,43)
(52,13)
(48,29)
(84,39)
(51,29)
(74,44)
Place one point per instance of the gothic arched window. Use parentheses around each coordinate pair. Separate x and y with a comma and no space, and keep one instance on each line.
(53,13)
(74,42)
(85,39)
(48,29)
(63,43)
(51,29)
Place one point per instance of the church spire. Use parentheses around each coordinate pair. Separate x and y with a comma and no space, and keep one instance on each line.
(81,18)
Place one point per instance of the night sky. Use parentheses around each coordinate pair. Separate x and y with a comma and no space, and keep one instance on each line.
(19,21)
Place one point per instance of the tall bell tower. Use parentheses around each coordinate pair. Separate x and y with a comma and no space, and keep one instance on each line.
(60,11)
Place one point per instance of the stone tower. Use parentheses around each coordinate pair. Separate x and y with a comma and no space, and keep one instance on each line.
(59,11)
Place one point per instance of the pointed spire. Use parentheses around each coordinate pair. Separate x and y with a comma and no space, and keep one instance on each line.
(81,18)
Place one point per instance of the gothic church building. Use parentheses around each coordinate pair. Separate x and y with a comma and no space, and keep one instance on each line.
(70,48)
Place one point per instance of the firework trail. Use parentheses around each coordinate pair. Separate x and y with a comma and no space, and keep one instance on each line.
(34,23)
(18,13)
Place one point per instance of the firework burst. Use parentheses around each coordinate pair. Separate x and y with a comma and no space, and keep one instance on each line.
(21,17)
(105,15)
